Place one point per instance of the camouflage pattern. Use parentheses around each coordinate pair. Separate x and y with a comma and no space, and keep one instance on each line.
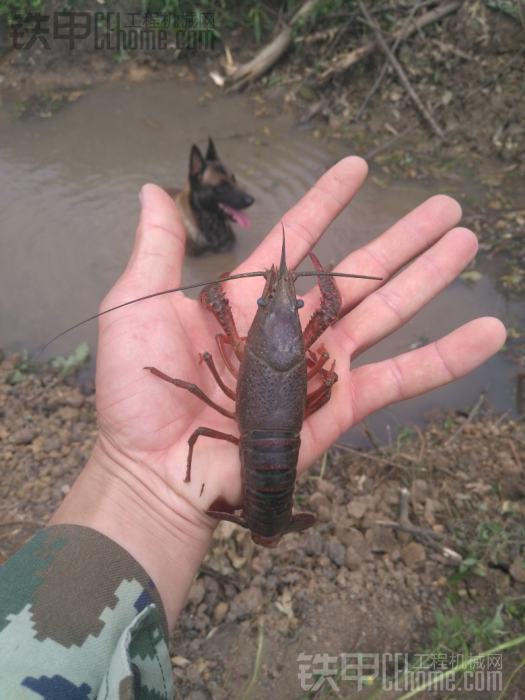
(80,619)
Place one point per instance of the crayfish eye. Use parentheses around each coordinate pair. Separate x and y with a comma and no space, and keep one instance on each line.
(300,303)
(262,302)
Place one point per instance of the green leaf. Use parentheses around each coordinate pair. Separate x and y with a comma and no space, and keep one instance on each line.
(74,362)
(472,275)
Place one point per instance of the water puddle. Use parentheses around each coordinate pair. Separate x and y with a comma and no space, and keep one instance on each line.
(69,201)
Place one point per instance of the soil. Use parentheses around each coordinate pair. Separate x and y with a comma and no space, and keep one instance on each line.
(464,493)
(461,496)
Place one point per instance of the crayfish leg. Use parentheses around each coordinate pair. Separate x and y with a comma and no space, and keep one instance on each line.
(205,432)
(218,515)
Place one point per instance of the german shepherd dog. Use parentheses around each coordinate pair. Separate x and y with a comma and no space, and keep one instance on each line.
(209,200)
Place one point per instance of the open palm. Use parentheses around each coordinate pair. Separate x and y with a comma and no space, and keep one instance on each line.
(149,422)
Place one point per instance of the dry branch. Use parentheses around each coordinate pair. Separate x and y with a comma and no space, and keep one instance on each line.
(399,38)
(353,57)
(401,73)
(265,59)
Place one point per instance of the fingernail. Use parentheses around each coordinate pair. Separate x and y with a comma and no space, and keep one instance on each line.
(140,197)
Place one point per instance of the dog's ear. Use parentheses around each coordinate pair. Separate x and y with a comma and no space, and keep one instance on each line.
(196,161)
(212,153)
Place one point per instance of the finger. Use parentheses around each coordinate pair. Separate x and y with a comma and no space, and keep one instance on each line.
(414,373)
(391,306)
(385,255)
(156,259)
(310,217)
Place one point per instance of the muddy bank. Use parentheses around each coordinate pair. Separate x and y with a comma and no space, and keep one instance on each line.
(434,522)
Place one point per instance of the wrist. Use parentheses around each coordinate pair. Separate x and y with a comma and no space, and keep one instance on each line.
(127,502)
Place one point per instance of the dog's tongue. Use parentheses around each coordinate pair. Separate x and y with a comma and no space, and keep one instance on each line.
(239,216)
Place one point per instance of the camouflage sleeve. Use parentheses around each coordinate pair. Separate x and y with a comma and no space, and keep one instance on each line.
(80,619)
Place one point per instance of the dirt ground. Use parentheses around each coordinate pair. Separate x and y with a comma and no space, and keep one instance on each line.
(349,585)
(455,582)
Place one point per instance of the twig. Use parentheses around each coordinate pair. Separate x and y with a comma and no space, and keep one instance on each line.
(402,75)
(370,435)
(451,49)
(367,455)
(381,75)
(501,418)
(516,455)
(403,506)
(266,58)
(257,664)
(351,58)
(470,418)
(430,538)
(383,147)
(413,529)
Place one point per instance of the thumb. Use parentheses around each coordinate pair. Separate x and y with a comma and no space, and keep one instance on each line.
(158,252)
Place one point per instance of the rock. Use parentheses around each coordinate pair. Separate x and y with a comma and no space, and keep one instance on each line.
(412,580)
(381,539)
(318,500)
(417,612)
(220,612)
(507,463)
(314,544)
(418,493)
(75,400)
(271,582)
(352,559)
(324,514)
(24,436)
(201,622)
(351,537)
(370,519)
(412,554)
(245,603)
(197,592)
(512,487)
(517,569)
(68,413)
(356,508)
(325,487)
(336,551)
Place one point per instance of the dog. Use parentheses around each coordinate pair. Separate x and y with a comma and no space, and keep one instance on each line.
(208,202)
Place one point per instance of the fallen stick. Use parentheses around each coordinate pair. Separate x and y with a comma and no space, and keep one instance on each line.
(401,73)
(470,418)
(353,57)
(429,538)
(381,75)
(265,59)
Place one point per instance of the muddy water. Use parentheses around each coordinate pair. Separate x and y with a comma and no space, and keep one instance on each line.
(69,207)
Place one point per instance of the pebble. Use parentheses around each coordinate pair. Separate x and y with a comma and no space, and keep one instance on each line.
(381,539)
(318,500)
(413,554)
(197,592)
(356,508)
(336,551)
(245,603)
(220,612)
(352,559)
(517,569)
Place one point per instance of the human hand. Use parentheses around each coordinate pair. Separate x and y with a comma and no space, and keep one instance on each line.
(139,462)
